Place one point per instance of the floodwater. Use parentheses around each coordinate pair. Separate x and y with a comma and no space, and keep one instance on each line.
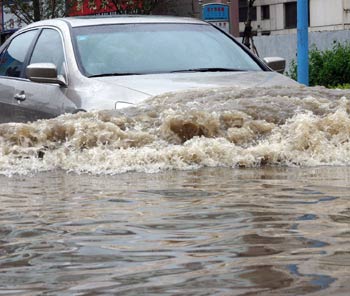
(223,192)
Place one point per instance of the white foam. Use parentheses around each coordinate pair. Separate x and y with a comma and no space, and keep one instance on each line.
(221,127)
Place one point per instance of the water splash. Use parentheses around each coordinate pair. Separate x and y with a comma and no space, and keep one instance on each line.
(227,127)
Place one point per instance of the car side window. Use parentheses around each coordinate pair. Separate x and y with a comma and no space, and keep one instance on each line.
(49,49)
(13,58)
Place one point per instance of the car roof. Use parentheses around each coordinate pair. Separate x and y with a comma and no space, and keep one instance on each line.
(81,21)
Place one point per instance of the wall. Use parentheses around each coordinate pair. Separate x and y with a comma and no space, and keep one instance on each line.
(326,12)
(347,11)
(286,45)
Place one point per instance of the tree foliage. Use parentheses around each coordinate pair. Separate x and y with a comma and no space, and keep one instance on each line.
(28,11)
(330,68)
(131,6)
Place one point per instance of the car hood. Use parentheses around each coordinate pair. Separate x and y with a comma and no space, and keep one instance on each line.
(119,91)
(156,84)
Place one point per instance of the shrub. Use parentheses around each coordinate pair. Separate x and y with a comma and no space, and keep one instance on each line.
(330,68)
(343,86)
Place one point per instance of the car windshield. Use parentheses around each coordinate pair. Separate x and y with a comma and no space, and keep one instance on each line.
(130,49)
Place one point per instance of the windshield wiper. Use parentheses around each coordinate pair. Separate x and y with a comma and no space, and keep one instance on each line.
(113,74)
(176,71)
(208,70)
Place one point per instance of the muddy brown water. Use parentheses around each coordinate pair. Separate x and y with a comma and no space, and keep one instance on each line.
(216,192)
(271,231)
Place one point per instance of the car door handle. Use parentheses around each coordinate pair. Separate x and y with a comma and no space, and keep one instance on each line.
(20,97)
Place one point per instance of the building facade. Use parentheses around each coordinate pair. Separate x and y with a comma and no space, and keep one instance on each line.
(271,17)
(185,8)
(194,8)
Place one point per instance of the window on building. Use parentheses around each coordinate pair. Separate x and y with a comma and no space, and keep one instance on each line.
(265,12)
(243,11)
(290,12)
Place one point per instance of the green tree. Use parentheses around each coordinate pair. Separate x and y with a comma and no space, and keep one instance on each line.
(29,11)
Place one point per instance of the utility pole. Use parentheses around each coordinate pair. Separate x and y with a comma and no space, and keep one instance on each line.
(303,41)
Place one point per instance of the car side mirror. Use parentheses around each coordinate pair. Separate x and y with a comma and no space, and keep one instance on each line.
(44,73)
(276,63)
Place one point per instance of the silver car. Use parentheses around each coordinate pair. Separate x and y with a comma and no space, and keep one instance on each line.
(93,63)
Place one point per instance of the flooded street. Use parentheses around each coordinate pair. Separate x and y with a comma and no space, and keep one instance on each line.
(272,231)
(211,192)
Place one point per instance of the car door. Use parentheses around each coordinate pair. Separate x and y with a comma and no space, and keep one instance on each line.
(12,63)
(44,100)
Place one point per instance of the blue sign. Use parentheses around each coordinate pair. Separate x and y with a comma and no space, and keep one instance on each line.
(217,12)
